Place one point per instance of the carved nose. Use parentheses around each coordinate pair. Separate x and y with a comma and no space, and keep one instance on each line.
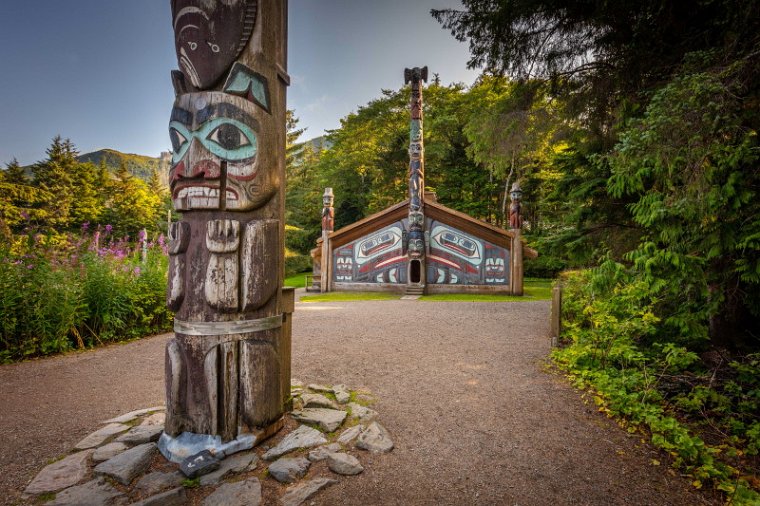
(200,163)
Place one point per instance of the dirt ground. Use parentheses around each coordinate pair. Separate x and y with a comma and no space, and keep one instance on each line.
(462,388)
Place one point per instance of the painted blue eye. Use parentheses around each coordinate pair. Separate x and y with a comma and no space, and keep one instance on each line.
(180,138)
(228,139)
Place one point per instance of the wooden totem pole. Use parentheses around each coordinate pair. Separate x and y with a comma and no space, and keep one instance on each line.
(515,223)
(228,366)
(328,225)
(416,236)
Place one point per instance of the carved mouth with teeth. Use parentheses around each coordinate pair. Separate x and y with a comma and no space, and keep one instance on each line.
(203,197)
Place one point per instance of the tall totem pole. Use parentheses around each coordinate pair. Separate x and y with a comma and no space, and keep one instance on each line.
(416,236)
(228,366)
(328,224)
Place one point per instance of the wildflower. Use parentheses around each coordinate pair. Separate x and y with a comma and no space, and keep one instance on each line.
(136,271)
(142,235)
(109,228)
(85,226)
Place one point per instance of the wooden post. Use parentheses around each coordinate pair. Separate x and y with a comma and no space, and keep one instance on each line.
(556,323)
(227,365)
(328,224)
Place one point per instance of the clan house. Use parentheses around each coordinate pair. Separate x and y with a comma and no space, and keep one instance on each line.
(419,246)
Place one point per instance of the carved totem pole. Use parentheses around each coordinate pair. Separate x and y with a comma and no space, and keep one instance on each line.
(228,366)
(416,236)
(328,225)
(515,223)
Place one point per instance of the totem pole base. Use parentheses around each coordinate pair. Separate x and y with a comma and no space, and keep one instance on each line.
(187,444)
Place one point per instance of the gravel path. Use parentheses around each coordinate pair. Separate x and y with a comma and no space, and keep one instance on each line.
(461,387)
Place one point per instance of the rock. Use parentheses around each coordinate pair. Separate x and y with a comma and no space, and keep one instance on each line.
(59,475)
(303,437)
(93,493)
(174,497)
(375,439)
(128,417)
(235,464)
(320,454)
(240,493)
(141,434)
(349,435)
(154,419)
(295,383)
(297,404)
(343,463)
(327,419)
(99,436)
(317,401)
(288,470)
(319,388)
(127,465)
(342,394)
(363,413)
(199,464)
(108,451)
(154,483)
(303,491)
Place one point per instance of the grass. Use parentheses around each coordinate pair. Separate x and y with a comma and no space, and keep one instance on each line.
(297,280)
(535,289)
(350,296)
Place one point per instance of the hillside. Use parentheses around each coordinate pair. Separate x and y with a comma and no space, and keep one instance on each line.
(139,165)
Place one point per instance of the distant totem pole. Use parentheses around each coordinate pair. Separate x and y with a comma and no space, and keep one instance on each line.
(416,236)
(228,366)
(328,225)
(515,223)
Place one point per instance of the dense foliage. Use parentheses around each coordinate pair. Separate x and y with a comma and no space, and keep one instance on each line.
(61,194)
(79,291)
(654,179)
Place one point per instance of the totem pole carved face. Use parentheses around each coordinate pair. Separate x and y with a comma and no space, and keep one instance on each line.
(416,246)
(217,163)
(209,35)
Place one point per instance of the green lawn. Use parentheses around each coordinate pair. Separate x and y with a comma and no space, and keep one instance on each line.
(535,289)
(349,296)
(297,280)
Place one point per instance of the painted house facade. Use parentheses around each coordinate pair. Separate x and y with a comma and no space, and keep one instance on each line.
(420,246)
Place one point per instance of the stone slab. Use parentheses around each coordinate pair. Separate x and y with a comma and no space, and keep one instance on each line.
(141,434)
(126,466)
(97,492)
(303,437)
(174,497)
(128,417)
(318,401)
(343,463)
(99,436)
(153,483)
(109,451)
(59,475)
(327,419)
(350,434)
(319,454)
(375,439)
(230,465)
(240,493)
(288,470)
(154,419)
(300,493)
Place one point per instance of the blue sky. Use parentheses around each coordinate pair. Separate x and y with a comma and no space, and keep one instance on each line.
(97,71)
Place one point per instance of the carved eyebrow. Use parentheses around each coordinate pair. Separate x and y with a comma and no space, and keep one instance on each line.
(188,10)
(225,110)
(182,116)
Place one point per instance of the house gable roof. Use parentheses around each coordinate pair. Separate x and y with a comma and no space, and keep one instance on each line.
(434,210)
